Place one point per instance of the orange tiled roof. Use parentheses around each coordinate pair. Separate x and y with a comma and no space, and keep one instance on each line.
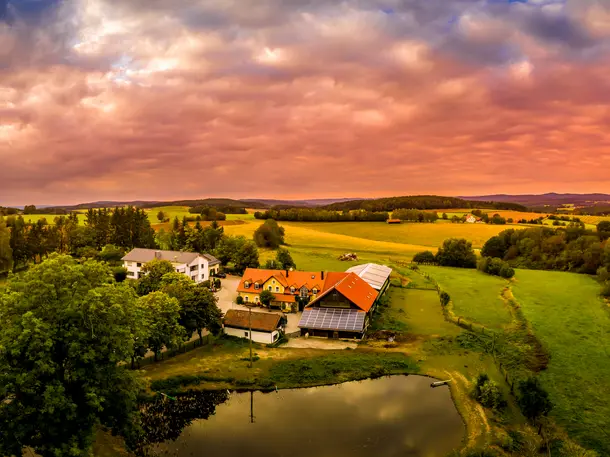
(286,298)
(296,279)
(352,287)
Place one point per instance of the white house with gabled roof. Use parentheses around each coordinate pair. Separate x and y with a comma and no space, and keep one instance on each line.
(199,267)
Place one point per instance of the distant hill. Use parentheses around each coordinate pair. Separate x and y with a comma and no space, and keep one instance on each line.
(420,202)
(550,199)
(292,203)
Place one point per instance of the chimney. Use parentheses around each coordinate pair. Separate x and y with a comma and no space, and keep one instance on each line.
(322,274)
(287,272)
(157,254)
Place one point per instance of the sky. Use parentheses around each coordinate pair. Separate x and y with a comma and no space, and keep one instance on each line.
(162,100)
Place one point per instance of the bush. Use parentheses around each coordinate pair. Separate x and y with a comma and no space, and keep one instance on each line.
(606,290)
(425,257)
(120,274)
(533,400)
(488,393)
(239,300)
(496,267)
(603,274)
(445,298)
(217,283)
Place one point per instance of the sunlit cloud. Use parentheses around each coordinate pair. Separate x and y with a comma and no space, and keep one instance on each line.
(111,100)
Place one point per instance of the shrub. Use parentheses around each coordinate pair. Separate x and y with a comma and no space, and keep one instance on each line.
(217,283)
(120,274)
(425,257)
(239,300)
(533,400)
(488,393)
(495,266)
(606,289)
(603,274)
(445,298)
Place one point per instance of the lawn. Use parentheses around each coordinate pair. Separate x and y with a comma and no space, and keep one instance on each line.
(475,295)
(50,218)
(419,311)
(574,323)
(414,234)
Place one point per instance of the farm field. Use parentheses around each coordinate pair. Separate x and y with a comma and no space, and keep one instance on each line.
(574,323)
(50,218)
(475,295)
(430,235)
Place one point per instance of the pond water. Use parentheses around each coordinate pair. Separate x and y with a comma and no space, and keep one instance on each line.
(386,417)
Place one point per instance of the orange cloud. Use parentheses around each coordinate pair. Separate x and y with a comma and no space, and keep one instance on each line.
(140,100)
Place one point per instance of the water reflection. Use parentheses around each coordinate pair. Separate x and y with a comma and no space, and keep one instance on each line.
(394,416)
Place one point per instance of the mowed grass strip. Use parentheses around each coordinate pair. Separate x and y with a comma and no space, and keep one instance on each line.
(475,295)
(571,320)
(419,310)
(414,234)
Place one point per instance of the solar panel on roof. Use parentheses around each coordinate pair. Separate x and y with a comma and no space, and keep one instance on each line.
(333,319)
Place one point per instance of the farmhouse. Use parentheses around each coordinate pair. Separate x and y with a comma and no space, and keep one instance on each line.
(342,310)
(198,267)
(265,326)
(471,219)
(289,287)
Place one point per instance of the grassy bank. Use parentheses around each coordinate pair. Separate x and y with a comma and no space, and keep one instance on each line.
(567,314)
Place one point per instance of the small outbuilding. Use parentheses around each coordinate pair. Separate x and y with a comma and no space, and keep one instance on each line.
(394,221)
(265,327)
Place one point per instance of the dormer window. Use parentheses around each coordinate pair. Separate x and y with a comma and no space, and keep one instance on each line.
(247,284)
(292,290)
(314,291)
(256,286)
(304,291)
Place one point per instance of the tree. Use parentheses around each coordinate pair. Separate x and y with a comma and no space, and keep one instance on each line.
(228,247)
(111,254)
(160,216)
(163,321)
(456,253)
(153,273)
(284,259)
(246,257)
(533,400)
(66,326)
(6,252)
(266,297)
(425,257)
(445,217)
(269,235)
(603,230)
(199,310)
(494,247)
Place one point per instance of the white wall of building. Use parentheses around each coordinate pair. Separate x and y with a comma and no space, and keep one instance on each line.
(199,270)
(257,337)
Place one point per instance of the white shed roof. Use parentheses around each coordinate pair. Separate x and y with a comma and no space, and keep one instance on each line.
(374,274)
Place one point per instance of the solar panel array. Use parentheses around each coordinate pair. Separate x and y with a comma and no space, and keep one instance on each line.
(333,319)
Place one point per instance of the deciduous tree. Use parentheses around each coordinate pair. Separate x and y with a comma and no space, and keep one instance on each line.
(152,274)
(6,252)
(269,235)
(163,321)
(65,328)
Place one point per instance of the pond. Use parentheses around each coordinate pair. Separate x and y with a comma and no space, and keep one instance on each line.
(385,417)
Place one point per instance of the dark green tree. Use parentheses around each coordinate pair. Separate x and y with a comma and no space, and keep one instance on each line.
(266,297)
(269,235)
(533,400)
(425,257)
(284,259)
(246,257)
(603,230)
(456,253)
(160,216)
(66,327)
(6,252)
(152,274)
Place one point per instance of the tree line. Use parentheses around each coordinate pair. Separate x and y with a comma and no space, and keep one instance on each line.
(419,202)
(221,209)
(322,215)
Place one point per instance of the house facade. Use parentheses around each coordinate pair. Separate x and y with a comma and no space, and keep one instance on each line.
(199,267)
(288,287)
(265,327)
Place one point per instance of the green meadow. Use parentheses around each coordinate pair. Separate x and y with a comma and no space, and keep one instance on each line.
(571,320)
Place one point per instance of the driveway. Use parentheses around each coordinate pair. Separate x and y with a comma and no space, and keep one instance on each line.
(319,343)
(228,294)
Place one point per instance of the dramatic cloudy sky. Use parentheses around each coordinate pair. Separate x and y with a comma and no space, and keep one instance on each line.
(158,99)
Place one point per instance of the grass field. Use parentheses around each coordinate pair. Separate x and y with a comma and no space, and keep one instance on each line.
(574,323)
(475,295)
(50,218)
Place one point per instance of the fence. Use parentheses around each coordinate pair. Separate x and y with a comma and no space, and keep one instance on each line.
(169,353)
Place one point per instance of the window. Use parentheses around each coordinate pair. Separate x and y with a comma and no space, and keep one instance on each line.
(246,334)
(130,273)
(277,289)
(194,267)
(246,299)
(314,291)
(304,291)
(270,289)
(246,284)
(335,296)
(139,264)
(256,285)
(194,277)
(256,299)
(292,290)
(275,337)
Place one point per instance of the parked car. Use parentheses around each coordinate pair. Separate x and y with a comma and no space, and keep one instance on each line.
(220,275)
